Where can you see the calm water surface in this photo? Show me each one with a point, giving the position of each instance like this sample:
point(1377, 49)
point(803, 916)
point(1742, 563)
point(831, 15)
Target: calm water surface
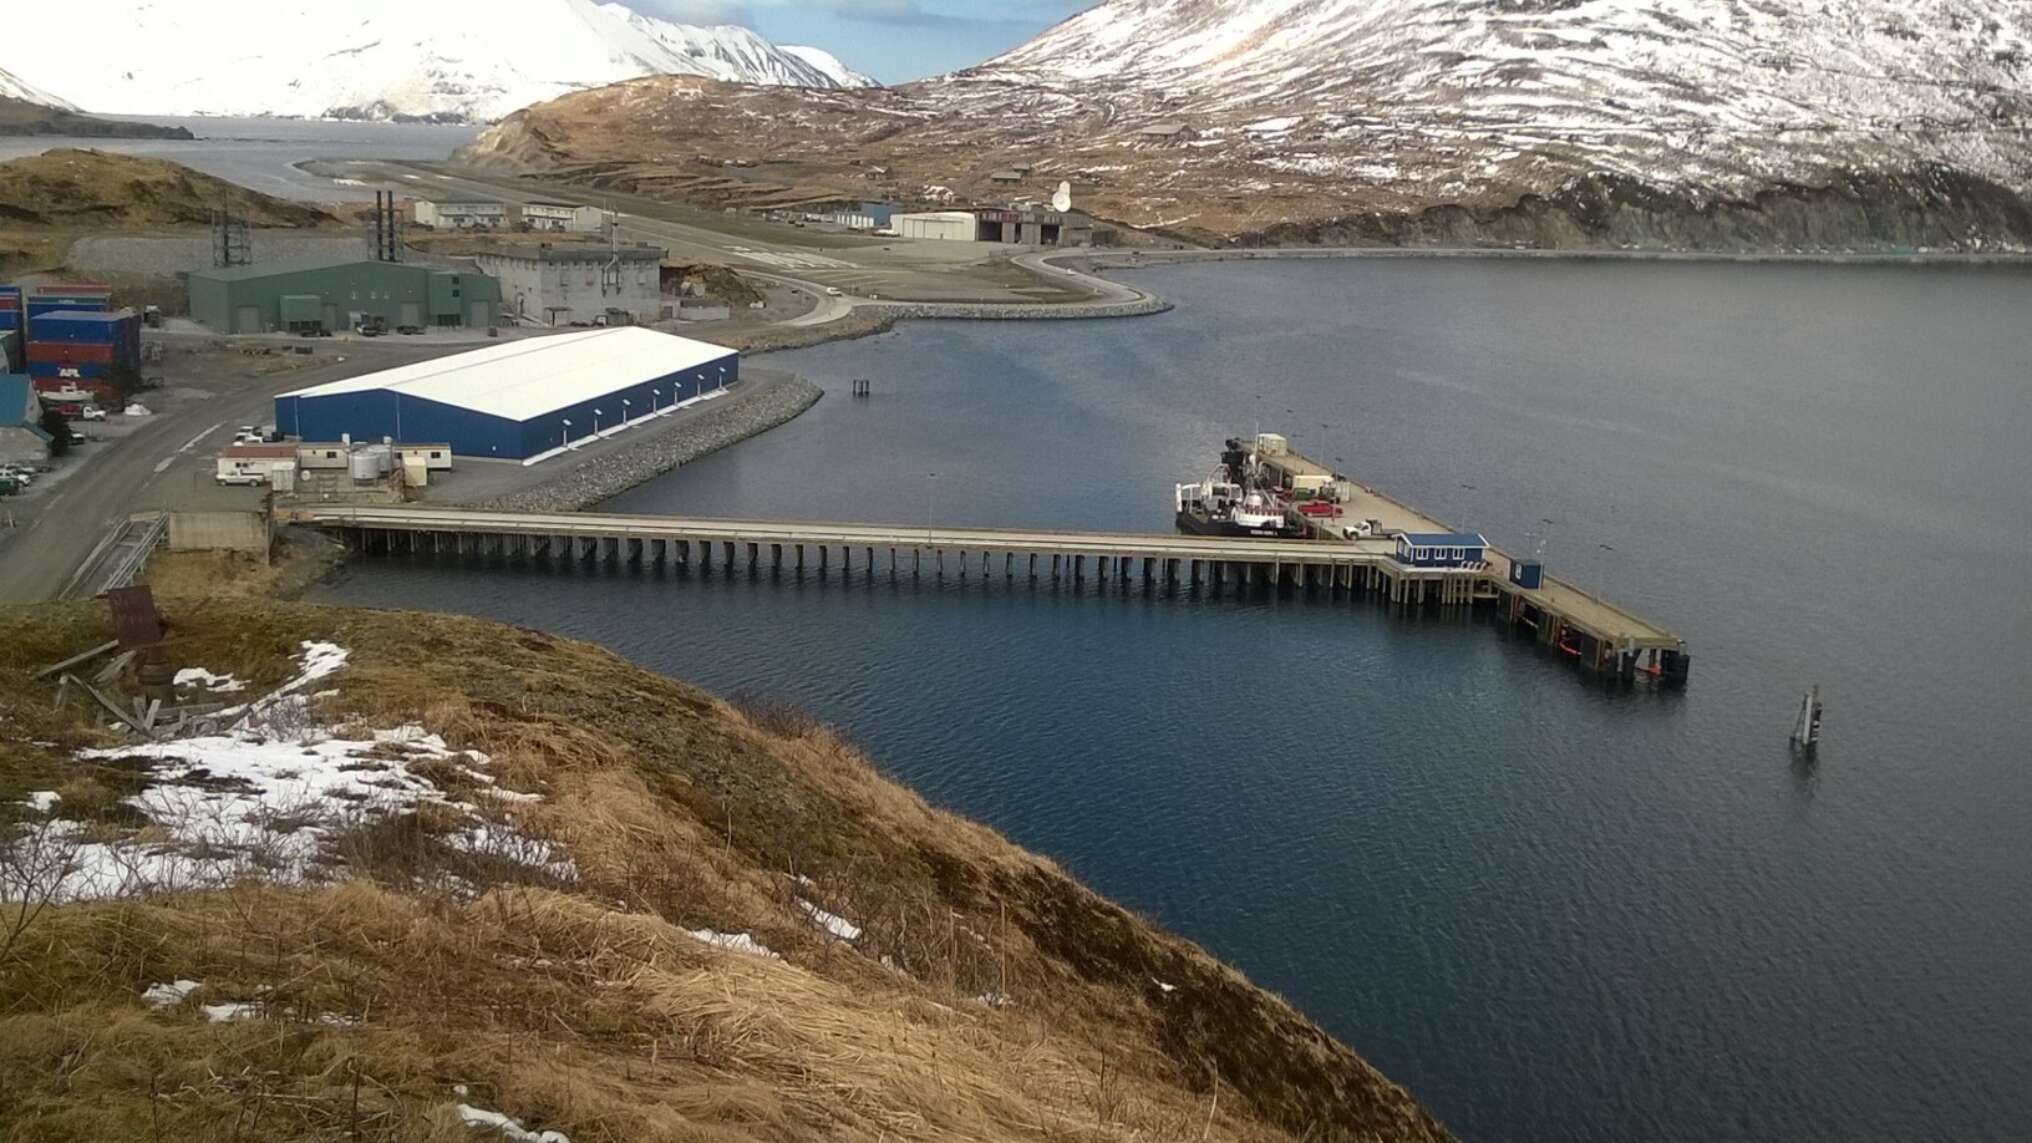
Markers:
point(263, 153)
point(1552, 912)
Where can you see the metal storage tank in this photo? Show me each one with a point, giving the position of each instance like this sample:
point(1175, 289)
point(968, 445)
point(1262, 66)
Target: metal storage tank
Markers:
point(362, 466)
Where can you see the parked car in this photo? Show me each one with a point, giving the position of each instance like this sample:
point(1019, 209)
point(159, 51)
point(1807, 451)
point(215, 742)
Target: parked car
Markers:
point(832, 291)
point(409, 330)
point(92, 413)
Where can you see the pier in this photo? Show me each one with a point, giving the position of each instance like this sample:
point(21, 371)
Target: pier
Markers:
point(1604, 638)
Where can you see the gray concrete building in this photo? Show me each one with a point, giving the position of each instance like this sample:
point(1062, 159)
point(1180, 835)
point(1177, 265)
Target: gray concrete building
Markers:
point(1036, 226)
point(566, 284)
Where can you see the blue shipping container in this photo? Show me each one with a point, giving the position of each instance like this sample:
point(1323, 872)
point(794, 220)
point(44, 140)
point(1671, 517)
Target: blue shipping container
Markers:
point(109, 328)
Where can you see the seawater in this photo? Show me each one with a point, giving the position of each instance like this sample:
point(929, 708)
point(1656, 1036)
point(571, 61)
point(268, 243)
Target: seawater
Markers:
point(263, 153)
point(1552, 911)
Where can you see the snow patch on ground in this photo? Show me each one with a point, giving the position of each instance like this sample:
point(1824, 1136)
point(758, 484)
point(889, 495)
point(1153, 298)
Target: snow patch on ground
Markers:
point(42, 801)
point(506, 1128)
point(232, 1010)
point(264, 800)
point(216, 684)
point(831, 922)
point(169, 994)
point(733, 942)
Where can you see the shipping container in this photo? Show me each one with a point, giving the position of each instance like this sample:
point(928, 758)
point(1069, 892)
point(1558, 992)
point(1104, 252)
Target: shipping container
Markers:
point(1528, 574)
point(75, 353)
point(82, 370)
point(84, 325)
point(73, 288)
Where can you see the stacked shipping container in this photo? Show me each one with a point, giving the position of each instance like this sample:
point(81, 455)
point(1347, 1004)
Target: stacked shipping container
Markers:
point(84, 345)
point(69, 339)
point(11, 321)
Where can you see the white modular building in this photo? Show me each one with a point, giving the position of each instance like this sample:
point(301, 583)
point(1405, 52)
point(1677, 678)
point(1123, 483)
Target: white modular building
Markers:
point(564, 217)
point(946, 225)
point(462, 214)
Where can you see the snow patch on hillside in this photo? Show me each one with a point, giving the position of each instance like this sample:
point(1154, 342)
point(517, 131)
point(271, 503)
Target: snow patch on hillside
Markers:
point(830, 65)
point(13, 87)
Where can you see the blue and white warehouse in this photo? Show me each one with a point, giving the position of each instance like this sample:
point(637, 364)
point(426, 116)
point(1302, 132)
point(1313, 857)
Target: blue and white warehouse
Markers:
point(517, 400)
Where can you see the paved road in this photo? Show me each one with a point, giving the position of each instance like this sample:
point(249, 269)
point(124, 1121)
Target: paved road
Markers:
point(163, 463)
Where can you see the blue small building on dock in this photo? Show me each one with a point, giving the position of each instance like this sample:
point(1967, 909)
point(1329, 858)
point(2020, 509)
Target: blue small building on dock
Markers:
point(1440, 549)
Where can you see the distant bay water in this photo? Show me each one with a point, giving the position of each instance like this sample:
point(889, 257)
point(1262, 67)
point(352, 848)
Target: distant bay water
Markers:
point(263, 154)
point(1551, 911)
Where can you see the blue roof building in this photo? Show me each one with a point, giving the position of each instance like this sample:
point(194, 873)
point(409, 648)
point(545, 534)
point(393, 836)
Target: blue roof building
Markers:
point(1440, 549)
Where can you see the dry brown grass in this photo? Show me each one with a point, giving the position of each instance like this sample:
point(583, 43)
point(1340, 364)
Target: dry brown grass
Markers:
point(587, 1007)
point(298, 558)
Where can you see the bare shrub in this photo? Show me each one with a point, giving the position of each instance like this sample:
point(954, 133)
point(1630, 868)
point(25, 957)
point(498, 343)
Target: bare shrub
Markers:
point(772, 714)
point(36, 863)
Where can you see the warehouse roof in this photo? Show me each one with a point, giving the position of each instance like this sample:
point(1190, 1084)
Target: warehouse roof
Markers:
point(938, 215)
point(299, 266)
point(523, 379)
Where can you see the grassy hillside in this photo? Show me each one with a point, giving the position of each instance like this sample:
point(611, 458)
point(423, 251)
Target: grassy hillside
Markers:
point(69, 187)
point(19, 117)
point(927, 979)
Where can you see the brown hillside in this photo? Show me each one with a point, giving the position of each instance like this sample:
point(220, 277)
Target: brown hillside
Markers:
point(986, 996)
point(74, 188)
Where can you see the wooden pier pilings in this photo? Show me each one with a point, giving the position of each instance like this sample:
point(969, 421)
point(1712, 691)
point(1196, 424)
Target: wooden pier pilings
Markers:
point(1598, 636)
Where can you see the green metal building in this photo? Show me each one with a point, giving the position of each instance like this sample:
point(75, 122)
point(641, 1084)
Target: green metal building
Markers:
point(274, 297)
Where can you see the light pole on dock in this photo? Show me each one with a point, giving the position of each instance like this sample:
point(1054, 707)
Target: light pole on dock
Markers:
point(930, 500)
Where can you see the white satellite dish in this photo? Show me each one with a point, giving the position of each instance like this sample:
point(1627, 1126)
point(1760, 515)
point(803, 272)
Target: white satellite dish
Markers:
point(1061, 199)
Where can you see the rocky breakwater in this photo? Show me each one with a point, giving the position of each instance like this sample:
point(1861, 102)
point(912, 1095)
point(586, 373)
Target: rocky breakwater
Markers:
point(1022, 311)
point(731, 420)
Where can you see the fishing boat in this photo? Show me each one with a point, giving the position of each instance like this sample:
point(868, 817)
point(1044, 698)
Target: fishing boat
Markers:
point(1218, 506)
point(1806, 731)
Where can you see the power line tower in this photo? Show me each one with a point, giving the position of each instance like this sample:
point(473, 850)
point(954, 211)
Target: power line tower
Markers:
point(231, 243)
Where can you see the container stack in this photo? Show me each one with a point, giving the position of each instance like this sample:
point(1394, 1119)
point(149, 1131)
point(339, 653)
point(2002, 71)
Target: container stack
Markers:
point(92, 348)
point(50, 299)
point(12, 321)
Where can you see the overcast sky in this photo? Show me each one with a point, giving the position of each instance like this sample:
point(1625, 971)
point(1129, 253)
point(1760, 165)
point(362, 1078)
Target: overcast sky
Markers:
point(892, 40)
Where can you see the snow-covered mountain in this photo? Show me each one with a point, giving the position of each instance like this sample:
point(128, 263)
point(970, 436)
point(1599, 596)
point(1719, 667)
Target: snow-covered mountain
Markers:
point(1666, 124)
point(13, 88)
point(1720, 94)
point(830, 65)
point(375, 59)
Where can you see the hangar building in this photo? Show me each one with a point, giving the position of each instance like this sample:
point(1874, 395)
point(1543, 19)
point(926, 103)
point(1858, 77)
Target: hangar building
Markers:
point(328, 294)
point(518, 399)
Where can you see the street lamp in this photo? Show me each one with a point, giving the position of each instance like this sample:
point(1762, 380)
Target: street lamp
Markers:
point(930, 499)
point(567, 435)
point(596, 422)
point(723, 377)
point(624, 410)
point(653, 394)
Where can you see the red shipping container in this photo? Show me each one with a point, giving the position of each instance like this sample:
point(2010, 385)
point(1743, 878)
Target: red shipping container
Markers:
point(70, 352)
